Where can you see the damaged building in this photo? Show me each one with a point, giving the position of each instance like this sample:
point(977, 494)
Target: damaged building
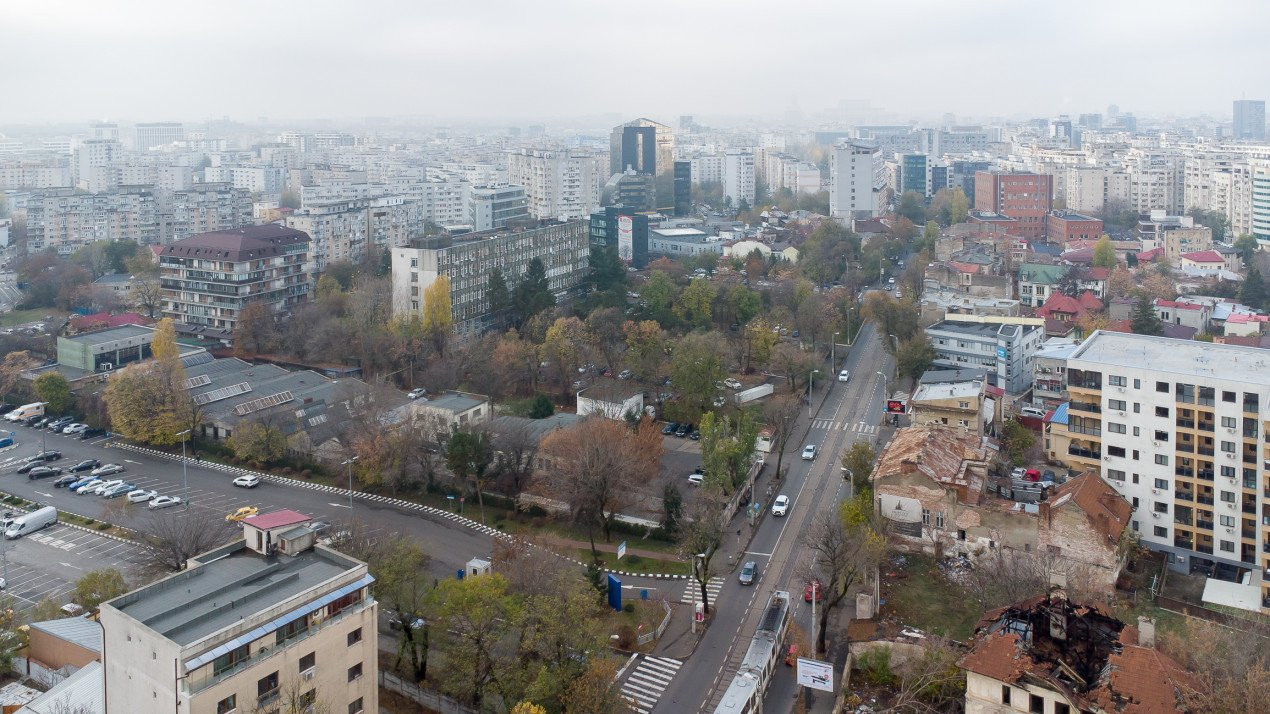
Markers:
point(1050, 655)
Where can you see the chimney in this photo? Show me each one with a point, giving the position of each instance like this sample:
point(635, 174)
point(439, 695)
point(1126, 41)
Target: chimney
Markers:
point(1146, 631)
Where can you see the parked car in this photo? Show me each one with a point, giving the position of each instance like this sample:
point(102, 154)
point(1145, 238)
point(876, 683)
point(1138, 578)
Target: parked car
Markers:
point(734, 384)
point(102, 487)
point(84, 484)
point(749, 573)
point(43, 472)
point(164, 502)
point(244, 512)
point(670, 428)
point(91, 432)
point(75, 428)
point(26, 467)
point(108, 470)
point(814, 587)
point(248, 481)
point(319, 527)
point(82, 481)
point(33, 420)
point(64, 481)
point(624, 374)
point(780, 507)
point(683, 430)
point(85, 465)
point(809, 452)
point(49, 455)
point(31, 522)
point(118, 490)
point(416, 393)
point(695, 435)
point(141, 495)
point(697, 476)
point(57, 424)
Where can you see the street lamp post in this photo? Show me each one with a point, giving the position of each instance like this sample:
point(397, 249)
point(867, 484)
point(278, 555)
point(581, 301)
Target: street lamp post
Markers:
point(349, 463)
point(185, 471)
point(833, 351)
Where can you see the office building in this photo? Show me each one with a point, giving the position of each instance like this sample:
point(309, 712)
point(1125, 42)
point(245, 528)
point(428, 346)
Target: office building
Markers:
point(738, 178)
point(1006, 349)
point(559, 185)
point(209, 278)
point(1065, 226)
point(1175, 234)
point(1025, 197)
point(635, 191)
point(683, 188)
point(154, 134)
point(269, 618)
point(468, 260)
point(642, 145)
point(618, 228)
point(1249, 120)
point(65, 219)
point(494, 207)
point(105, 130)
point(852, 179)
point(1179, 427)
point(677, 242)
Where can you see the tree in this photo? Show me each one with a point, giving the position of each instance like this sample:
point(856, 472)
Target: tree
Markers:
point(599, 467)
point(911, 206)
point(1213, 220)
point(607, 270)
point(1104, 253)
point(702, 536)
point(1157, 286)
point(438, 318)
point(1017, 441)
point(289, 199)
point(1253, 293)
point(53, 389)
point(1120, 282)
point(258, 442)
point(402, 585)
point(516, 450)
point(254, 333)
point(743, 304)
point(858, 462)
point(756, 343)
point(148, 401)
point(695, 303)
point(562, 349)
point(469, 618)
point(596, 691)
point(780, 416)
point(98, 586)
point(11, 369)
point(658, 295)
point(1144, 321)
point(892, 318)
point(841, 553)
point(468, 455)
point(727, 449)
point(176, 536)
point(1247, 246)
point(695, 366)
point(672, 505)
point(1227, 669)
point(541, 407)
point(515, 364)
point(533, 293)
point(915, 356)
point(604, 332)
point(930, 236)
point(645, 347)
point(823, 256)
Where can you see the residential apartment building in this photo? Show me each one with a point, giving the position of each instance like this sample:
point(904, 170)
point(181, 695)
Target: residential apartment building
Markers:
point(1005, 347)
point(209, 278)
point(268, 620)
point(494, 207)
point(1179, 427)
point(852, 179)
point(1089, 189)
point(1175, 234)
point(706, 169)
point(1049, 372)
point(469, 258)
point(338, 231)
point(1066, 226)
point(1249, 120)
point(559, 185)
point(153, 134)
point(738, 177)
point(254, 179)
point(1261, 203)
point(96, 164)
point(1025, 197)
point(202, 208)
point(66, 219)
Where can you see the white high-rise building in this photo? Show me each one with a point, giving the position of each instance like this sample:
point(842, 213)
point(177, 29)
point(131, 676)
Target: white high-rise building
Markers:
point(561, 185)
point(738, 177)
point(852, 179)
point(706, 169)
point(1261, 202)
point(158, 134)
point(96, 164)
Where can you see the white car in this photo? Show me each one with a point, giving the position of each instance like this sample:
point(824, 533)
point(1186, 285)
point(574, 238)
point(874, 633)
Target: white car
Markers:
point(107, 470)
point(248, 481)
point(844, 375)
point(697, 476)
point(809, 452)
point(780, 506)
point(102, 487)
point(416, 393)
point(91, 484)
point(75, 428)
point(164, 502)
point(732, 383)
point(142, 495)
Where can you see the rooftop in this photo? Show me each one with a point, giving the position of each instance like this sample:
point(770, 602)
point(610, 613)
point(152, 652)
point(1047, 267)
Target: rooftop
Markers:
point(1107, 511)
point(113, 279)
point(228, 588)
point(680, 234)
point(946, 455)
point(112, 334)
point(611, 390)
point(947, 390)
point(237, 244)
point(1250, 365)
point(1071, 215)
point(83, 691)
point(455, 402)
point(76, 630)
point(276, 519)
point(537, 428)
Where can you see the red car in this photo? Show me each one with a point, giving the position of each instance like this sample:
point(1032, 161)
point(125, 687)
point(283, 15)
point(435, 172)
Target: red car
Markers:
point(818, 588)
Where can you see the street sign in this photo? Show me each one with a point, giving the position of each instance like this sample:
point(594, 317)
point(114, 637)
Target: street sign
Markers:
point(621, 550)
point(817, 675)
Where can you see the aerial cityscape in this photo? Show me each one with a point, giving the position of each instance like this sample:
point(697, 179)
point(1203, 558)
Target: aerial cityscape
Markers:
point(670, 358)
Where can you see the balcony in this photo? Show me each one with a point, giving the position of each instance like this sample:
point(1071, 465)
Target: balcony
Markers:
point(1186, 423)
point(1083, 453)
point(1185, 448)
point(1204, 474)
point(1205, 451)
point(1206, 500)
point(1207, 426)
point(1084, 407)
point(1184, 495)
point(1185, 543)
point(1206, 525)
point(1249, 508)
point(1249, 533)
point(1087, 430)
point(1182, 520)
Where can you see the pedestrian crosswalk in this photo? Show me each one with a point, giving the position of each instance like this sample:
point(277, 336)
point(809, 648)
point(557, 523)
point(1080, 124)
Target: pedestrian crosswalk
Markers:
point(645, 685)
point(858, 427)
point(692, 591)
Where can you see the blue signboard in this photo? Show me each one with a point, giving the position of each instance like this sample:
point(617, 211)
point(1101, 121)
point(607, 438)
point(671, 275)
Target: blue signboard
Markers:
point(615, 592)
point(1001, 353)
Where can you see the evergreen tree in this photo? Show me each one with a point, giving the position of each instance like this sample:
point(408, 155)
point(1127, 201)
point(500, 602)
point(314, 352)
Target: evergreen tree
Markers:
point(533, 292)
point(1253, 292)
point(500, 299)
point(607, 270)
point(1144, 321)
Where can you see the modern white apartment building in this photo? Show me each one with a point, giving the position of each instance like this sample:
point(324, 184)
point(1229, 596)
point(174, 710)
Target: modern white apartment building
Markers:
point(269, 621)
point(738, 177)
point(853, 179)
point(442, 202)
point(338, 229)
point(96, 164)
point(707, 169)
point(18, 173)
point(256, 179)
point(1231, 196)
point(66, 219)
point(1179, 428)
point(1006, 348)
point(559, 185)
point(1261, 202)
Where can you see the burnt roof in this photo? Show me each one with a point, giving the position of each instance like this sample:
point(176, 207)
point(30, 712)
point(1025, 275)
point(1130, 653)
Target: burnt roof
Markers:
point(237, 244)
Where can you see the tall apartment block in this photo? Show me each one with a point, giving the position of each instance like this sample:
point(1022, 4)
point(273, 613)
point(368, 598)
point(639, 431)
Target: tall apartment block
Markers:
point(1025, 197)
point(202, 208)
point(65, 219)
point(738, 177)
point(209, 278)
point(559, 185)
point(1179, 428)
point(851, 179)
point(469, 258)
point(268, 622)
point(1249, 119)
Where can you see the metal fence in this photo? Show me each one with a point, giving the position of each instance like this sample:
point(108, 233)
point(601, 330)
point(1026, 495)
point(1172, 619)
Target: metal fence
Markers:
point(431, 700)
point(661, 629)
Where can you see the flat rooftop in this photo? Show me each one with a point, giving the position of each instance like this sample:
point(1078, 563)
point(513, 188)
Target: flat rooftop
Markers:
point(680, 234)
point(947, 390)
point(198, 602)
point(112, 334)
point(457, 403)
point(1235, 363)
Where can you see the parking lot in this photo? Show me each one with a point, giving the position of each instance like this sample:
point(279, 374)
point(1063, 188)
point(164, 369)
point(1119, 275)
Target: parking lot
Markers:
point(47, 563)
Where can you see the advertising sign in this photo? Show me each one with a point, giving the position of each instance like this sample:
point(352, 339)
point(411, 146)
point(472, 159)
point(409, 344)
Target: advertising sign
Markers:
point(895, 406)
point(1001, 353)
point(625, 238)
point(621, 550)
point(817, 675)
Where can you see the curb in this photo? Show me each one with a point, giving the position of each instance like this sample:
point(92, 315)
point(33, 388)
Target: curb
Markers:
point(377, 498)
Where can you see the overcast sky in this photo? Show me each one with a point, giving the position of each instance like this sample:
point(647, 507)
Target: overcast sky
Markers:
point(523, 60)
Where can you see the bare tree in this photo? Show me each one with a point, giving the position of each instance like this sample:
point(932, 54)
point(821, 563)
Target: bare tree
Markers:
point(780, 414)
point(295, 696)
point(1229, 667)
point(840, 555)
point(1005, 576)
point(516, 451)
point(177, 535)
point(702, 536)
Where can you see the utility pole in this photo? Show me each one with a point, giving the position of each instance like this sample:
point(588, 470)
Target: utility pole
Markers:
point(349, 463)
point(833, 351)
point(185, 472)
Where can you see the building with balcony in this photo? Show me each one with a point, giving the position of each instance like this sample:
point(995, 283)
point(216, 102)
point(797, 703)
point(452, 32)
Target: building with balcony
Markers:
point(202, 208)
point(1179, 428)
point(270, 619)
point(67, 219)
point(559, 185)
point(209, 278)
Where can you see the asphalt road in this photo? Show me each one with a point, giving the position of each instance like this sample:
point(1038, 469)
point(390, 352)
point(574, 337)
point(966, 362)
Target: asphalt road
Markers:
point(450, 544)
point(850, 413)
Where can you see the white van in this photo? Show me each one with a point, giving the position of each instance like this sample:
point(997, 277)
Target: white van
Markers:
point(32, 522)
point(26, 411)
point(1037, 412)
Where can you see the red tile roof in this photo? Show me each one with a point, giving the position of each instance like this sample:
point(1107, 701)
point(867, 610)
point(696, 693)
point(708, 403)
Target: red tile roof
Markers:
point(1107, 511)
point(276, 519)
point(1204, 256)
point(1096, 274)
point(1149, 255)
point(1090, 301)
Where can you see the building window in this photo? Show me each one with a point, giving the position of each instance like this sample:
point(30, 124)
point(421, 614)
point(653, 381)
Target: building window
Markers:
point(1116, 380)
point(1228, 496)
point(1228, 397)
point(1227, 521)
point(925, 516)
point(229, 660)
point(939, 519)
point(1162, 387)
point(1005, 694)
point(227, 705)
point(307, 699)
point(1161, 435)
point(1117, 404)
point(1162, 412)
point(1036, 704)
point(1115, 451)
point(354, 637)
point(1228, 546)
point(355, 706)
point(1115, 428)
point(1228, 471)
point(1162, 459)
point(1228, 447)
point(1115, 474)
point(267, 687)
point(355, 672)
point(1061, 708)
point(1161, 507)
point(1137, 384)
point(292, 629)
point(1161, 483)
point(308, 661)
point(1228, 422)
point(1161, 532)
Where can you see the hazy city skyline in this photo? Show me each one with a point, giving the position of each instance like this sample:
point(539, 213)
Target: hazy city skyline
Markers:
point(511, 61)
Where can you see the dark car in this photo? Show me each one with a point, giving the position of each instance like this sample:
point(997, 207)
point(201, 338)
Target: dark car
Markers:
point(683, 430)
point(90, 433)
point(49, 455)
point(85, 465)
point(57, 424)
point(43, 472)
point(670, 428)
point(40, 421)
point(6, 407)
point(24, 468)
point(64, 481)
point(695, 435)
point(749, 573)
point(33, 420)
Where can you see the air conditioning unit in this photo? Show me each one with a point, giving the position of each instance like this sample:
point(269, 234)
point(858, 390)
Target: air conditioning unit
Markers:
point(1120, 389)
point(307, 674)
point(1154, 514)
point(1230, 530)
point(1155, 443)
point(1230, 430)
point(106, 366)
point(1156, 491)
point(1229, 455)
point(1121, 413)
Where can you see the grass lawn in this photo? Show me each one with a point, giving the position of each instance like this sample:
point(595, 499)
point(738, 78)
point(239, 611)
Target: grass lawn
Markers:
point(634, 563)
point(922, 598)
point(19, 317)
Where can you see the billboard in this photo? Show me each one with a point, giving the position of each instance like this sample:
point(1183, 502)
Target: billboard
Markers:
point(817, 675)
point(895, 406)
point(626, 238)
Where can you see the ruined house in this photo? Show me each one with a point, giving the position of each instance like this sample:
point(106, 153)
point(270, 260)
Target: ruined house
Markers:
point(1053, 656)
point(1082, 522)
